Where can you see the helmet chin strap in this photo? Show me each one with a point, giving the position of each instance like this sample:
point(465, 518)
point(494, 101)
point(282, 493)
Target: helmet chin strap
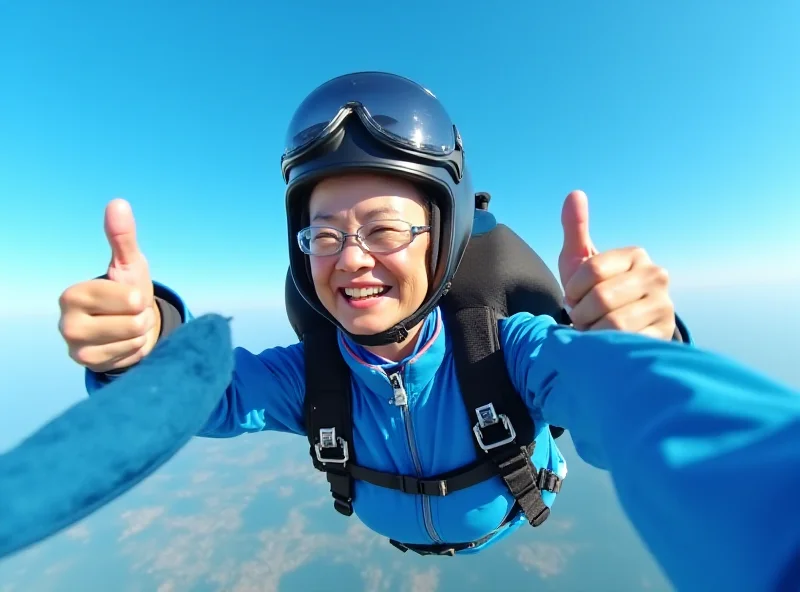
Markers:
point(397, 334)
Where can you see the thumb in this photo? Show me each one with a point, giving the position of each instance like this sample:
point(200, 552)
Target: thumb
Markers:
point(120, 230)
point(128, 265)
point(578, 246)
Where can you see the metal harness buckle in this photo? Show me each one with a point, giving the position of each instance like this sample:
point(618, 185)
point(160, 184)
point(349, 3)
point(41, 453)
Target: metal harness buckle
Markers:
point(328, 440)
point(487, 416)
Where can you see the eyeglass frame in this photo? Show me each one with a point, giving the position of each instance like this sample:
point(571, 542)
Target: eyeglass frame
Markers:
point(415, 231)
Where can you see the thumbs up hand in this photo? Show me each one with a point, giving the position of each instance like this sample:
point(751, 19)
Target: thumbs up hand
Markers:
point(618, 289)
point(109, 324)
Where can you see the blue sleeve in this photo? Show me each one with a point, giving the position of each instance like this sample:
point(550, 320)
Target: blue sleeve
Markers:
point(704, 453)
point(266, 393)
point(266, 390)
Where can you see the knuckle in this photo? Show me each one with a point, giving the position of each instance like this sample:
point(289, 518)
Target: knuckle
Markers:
point(594, 269)
point(136, 357)
point(640, 254)
point(138, 325)
point(616, 321)
point(70, 328)
point(661, 275)
point(68, 298)
point(667, 311)
point(82, 355)
point(135, 300)
point(604, 298)
point(637, 257)
point(132, 355)
point(137, 343)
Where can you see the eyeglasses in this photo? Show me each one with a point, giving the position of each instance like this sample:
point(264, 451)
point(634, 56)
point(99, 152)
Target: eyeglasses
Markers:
point(378, 236)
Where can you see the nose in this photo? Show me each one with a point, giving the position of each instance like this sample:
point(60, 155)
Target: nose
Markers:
point(353, 256)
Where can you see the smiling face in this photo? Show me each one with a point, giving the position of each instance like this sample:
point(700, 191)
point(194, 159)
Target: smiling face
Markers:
point(369, 292)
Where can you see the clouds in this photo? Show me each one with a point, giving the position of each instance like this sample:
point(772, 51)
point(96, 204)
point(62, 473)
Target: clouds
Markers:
point(189, 550)
point(224, 545)
point(425, 581)
point(547, 559)
point(138, 520)
point(79, 532)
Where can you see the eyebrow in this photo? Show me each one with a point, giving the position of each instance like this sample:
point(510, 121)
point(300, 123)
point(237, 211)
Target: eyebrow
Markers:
point(383, 211)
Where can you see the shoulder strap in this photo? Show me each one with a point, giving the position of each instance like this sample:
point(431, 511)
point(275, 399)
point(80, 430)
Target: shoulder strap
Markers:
point(329, 425)
point(503, 428)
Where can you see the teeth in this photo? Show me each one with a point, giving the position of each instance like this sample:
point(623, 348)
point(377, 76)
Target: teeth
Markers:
point(364, 292)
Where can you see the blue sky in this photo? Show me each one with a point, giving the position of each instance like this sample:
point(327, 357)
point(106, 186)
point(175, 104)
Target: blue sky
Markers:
point(679, 120)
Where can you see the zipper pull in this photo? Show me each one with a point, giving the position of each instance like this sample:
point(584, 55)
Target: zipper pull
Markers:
point(400, 395)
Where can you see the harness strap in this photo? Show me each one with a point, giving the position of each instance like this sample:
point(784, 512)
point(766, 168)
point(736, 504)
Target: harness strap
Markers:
point(488, 392)
point(442, 549)
point(452, 549)
point(443, 485)
point(329, 425)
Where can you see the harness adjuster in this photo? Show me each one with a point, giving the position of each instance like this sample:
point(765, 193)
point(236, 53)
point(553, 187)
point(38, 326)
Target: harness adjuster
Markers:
point(328, 441)
point(414, 485)
point(342, 505)
point(547, 480)
point(488, 418)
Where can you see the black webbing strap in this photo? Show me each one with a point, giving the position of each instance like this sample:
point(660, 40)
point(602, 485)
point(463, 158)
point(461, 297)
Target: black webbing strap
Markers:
point(442, 548)
point(442, 485)
point(439, 485)
point(328, 420)
point(503, 428)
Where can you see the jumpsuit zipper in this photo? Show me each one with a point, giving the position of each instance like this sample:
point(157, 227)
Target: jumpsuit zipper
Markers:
point(401, 400)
